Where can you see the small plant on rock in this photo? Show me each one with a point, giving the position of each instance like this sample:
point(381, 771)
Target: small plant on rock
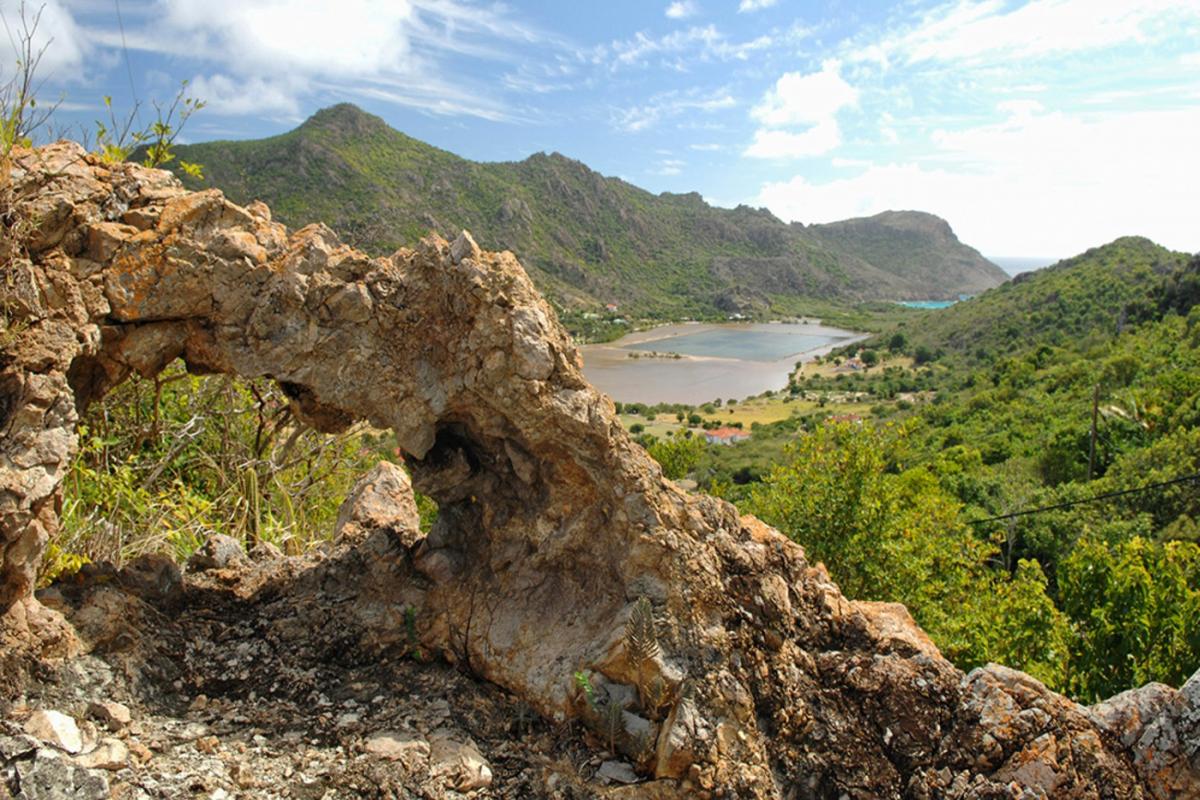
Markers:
point(641, 643)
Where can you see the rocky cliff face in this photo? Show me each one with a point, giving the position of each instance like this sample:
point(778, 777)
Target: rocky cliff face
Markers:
point(563, 566)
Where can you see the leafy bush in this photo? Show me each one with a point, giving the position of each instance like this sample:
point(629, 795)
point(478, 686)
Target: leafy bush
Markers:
point(677, 454)
point(164, 463)
point(1134, 606)
point(897, 535)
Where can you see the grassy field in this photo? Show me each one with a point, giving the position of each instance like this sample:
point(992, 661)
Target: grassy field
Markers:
point(760, 410)
point(831, 370)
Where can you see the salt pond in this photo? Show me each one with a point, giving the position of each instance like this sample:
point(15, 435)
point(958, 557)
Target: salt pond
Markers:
point(733, 360)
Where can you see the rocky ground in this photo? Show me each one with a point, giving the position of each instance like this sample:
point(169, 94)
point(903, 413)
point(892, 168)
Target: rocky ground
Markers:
point(202, 698)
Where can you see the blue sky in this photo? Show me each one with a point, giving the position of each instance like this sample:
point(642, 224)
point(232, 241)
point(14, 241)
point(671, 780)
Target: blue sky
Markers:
point(1039, 128)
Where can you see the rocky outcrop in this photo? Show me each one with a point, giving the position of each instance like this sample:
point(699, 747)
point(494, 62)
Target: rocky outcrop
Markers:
point(563, 566)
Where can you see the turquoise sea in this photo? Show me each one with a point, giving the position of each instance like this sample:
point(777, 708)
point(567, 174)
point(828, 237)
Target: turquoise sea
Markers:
point(928, 303)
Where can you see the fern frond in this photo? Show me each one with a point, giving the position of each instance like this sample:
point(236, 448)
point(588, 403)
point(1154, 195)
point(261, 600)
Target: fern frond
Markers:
point(641, 638)
point(614, 723)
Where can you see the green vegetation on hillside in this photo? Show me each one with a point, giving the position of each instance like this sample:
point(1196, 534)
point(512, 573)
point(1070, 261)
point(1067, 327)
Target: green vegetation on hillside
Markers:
point(163, 464)
point(587, 240)
point(1093, 598)
point(916, 245)
point(1080, 301)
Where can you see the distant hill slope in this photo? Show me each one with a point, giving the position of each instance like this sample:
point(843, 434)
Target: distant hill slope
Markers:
point(1094, 294)
point(917, 246)
point(586, 239)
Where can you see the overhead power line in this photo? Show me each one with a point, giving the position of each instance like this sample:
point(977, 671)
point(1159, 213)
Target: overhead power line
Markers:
point(1105, 496)
point(128, 65)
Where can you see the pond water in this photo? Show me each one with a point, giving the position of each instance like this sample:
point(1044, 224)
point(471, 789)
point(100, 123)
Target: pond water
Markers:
point(734, 360)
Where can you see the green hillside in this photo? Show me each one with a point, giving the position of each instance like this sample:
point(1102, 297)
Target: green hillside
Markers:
point(1070, 398)
point(587, 240)
point(1092, 296)
point(917, 246)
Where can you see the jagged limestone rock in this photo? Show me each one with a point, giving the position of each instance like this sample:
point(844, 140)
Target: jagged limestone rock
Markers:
point(553, 526)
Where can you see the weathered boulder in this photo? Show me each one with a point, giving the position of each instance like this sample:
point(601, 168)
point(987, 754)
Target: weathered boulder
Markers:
point(1161, 726)
point(114, 716)
point(109, 753)
point(382, 498)
point(562, 566)
point(458, 764)
point(219, 551)
point(55, 728)
point(410, 748)
point(49, 775)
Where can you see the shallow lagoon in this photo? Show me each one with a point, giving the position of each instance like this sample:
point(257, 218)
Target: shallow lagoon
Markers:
point(734, 360)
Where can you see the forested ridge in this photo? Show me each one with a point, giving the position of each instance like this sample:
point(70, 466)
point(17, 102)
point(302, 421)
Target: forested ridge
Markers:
point(587, 240)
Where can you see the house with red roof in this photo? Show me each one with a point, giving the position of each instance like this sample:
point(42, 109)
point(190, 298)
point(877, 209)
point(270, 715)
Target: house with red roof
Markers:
point(725, 435)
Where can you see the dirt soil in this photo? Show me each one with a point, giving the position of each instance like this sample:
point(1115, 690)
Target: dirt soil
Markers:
point(223, 707)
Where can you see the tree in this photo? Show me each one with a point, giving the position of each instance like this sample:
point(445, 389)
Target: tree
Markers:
point(897, 343)
point(678, 455)
point(1134, 606)
point(887, 535)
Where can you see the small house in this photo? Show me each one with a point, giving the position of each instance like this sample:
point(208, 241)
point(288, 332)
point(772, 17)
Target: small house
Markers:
point(725, 435)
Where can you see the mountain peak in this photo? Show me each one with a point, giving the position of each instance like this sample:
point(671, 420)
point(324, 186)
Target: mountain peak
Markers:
point(587, 240)
point(344, 118)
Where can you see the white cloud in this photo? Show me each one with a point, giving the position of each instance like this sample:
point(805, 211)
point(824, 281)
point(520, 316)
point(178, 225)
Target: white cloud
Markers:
point(681, 9)
point(54, 33)
point(819, 139)
point(234, 97)
point(399, 51)
point(887, 128)
point(1055, 183)
point(797, 100)
point(671, 104)
point(669, 166)
point(705, 147)
point(754, 5)
point(800, 99)
point(1022, 109)
point(637, 50)
point(357, 39)
point(979, 31)
point(679, 48)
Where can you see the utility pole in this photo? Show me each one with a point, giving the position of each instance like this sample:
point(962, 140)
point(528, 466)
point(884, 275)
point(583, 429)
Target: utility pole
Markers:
point(1092, 445)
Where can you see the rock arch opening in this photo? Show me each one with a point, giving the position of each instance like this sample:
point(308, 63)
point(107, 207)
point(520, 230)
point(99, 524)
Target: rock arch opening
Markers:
point(557, 529)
